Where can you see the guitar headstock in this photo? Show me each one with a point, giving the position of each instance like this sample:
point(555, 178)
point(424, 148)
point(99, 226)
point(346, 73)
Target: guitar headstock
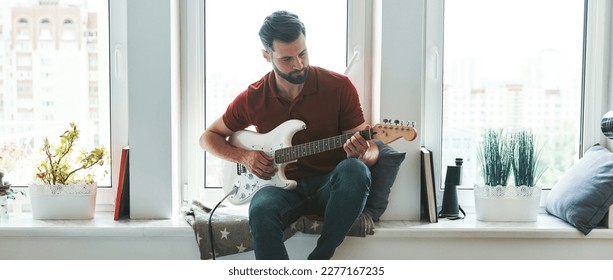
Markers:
point(389, 131)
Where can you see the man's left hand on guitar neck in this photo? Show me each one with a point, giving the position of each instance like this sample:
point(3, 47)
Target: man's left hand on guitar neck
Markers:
point(358, 147)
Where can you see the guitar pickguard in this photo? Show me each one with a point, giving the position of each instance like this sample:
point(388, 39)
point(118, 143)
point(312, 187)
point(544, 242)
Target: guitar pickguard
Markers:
point(248, 184)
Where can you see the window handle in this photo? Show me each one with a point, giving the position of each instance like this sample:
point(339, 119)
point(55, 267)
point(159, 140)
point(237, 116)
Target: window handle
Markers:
point(435, 63)
point(117, 60)
point(355, 57)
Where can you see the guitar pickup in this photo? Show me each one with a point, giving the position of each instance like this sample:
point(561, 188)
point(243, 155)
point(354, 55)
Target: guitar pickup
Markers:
point(240, 169)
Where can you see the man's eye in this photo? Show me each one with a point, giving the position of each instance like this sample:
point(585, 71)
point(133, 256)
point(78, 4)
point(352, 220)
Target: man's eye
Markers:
point(287, 59)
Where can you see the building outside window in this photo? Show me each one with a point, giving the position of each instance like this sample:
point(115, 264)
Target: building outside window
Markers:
point(46, 82)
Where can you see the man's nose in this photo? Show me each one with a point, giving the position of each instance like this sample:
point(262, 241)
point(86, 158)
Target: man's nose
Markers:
point(299, 63)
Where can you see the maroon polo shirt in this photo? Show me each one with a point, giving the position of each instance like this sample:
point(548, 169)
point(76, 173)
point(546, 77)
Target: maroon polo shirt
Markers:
point(328, 104)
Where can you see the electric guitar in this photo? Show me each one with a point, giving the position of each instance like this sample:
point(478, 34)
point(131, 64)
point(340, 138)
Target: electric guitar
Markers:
point(277, 143)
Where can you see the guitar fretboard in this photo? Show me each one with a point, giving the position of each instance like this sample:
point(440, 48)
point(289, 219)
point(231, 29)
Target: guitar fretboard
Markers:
point(302, 150)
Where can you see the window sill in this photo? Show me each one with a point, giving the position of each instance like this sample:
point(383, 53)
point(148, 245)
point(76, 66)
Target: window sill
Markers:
point(546, 226)
point(101, 238)
point(101, 225)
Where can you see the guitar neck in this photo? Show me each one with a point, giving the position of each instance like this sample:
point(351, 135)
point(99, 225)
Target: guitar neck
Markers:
point(302, 150)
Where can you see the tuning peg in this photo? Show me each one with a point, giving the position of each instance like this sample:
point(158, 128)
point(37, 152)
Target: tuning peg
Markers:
point(413, 124)
point(386, 121)
point(396, 121)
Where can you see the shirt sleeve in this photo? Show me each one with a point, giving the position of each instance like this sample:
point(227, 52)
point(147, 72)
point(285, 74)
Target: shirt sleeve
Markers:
point(351, 110)
point(236, 117)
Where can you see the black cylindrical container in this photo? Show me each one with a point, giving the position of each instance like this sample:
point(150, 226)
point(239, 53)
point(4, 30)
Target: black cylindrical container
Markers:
point(453, 178)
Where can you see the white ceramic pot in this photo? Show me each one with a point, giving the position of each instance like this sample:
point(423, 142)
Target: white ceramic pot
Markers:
point(77, 201)
point(507, 203)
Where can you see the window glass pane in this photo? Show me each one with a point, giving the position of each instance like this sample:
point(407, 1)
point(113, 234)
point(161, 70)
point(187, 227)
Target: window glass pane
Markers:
point(233, 50)
point(51, 75)
point(512, 64)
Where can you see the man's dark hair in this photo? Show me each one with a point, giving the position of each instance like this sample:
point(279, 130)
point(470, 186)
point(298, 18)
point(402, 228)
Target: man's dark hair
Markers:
point(281, 25)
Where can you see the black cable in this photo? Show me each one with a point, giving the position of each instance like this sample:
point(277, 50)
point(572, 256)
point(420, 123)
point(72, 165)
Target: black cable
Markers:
point(233, 191)
point(453, 217)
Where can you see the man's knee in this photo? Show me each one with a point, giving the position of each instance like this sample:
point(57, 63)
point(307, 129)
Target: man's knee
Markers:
point(351, 164)
point(354, 168)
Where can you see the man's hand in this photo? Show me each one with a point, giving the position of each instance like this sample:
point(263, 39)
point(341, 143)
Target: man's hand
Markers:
point(259, 163)
point(356, 146)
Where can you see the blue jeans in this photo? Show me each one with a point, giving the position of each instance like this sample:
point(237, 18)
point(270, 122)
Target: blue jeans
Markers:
point(338, 197)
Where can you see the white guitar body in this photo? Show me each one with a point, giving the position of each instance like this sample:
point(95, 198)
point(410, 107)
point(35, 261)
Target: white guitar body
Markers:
point(247, 183)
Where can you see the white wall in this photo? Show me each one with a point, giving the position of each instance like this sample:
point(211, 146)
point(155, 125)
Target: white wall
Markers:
point(397, 89)
point(151, 92)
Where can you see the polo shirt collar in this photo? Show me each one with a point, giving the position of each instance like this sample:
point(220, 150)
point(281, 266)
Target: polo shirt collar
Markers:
point(310, 85)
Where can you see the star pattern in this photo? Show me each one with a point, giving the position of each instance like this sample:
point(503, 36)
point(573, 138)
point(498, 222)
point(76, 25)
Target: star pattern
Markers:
point(241, 248)
point(314, 225)
point(198, 238)
point(224, 233)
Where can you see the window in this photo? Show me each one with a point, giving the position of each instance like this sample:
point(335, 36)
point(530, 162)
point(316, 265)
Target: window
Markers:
point(46, 30)
point(22, 29)
point(233, 50)
point(51, 87)
point(512, 64)
point(68, 32)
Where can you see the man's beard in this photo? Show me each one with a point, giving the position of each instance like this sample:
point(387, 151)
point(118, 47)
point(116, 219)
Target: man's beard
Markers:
point(296, 77)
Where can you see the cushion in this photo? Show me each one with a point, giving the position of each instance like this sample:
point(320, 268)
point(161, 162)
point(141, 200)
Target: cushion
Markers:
point(383, 175)
point(584, 193)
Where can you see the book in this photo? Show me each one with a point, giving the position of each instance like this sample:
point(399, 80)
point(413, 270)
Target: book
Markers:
point(428, 188)
point(122, 199)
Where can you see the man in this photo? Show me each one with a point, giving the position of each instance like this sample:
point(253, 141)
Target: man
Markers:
point(333, 184)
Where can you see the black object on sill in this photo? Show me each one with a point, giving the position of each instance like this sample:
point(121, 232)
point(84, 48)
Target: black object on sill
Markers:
point(450, 208)
point(606, 125)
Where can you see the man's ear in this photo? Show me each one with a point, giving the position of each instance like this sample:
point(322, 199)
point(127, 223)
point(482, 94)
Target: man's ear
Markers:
point(266, 55)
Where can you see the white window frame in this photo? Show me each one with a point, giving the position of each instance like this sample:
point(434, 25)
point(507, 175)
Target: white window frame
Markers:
point(105, 198)
point(597, 62)
point(192, 89)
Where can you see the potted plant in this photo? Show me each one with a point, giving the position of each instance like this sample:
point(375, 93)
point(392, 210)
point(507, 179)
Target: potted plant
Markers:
point(526, 169)
point(6, 193)
point(65, 185)
point(502, 154)
point(495, 157)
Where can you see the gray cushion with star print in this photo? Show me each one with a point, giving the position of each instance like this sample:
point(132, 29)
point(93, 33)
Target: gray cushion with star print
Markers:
point(231, 233)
